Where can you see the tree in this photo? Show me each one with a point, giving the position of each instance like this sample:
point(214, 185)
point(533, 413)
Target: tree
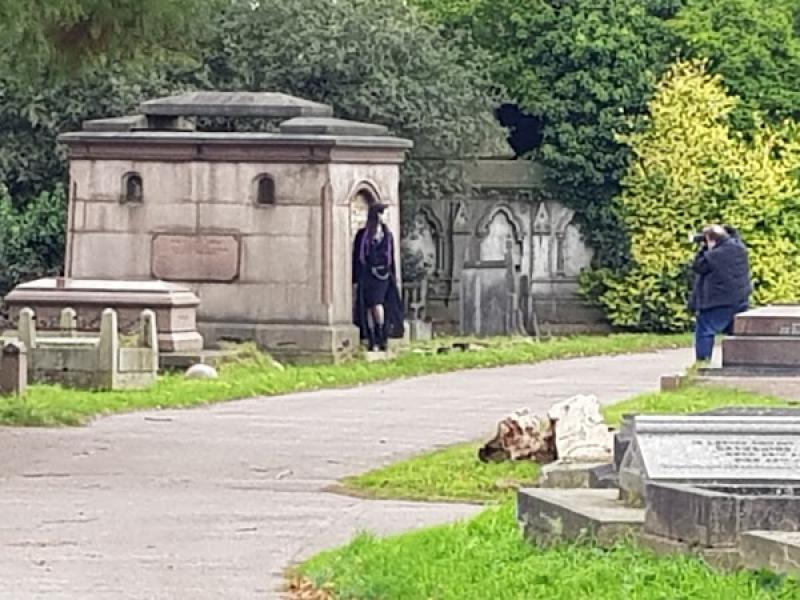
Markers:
point(754, 45)
point(372, 60)
point(578, 69)
point(37, 34)
point(691, 168)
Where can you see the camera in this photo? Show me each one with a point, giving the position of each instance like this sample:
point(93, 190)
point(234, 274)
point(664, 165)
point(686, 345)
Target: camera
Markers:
point(697, 238)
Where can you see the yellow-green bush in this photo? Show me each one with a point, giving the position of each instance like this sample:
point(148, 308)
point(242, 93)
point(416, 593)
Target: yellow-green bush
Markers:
point(690, 168)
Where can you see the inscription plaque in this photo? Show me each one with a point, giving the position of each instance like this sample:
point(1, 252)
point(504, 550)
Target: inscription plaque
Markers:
point(202, 258)
point(711, 449)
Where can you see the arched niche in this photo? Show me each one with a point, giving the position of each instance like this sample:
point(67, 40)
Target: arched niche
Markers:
point(498, 228)
point(364, 195)
point(428, 240)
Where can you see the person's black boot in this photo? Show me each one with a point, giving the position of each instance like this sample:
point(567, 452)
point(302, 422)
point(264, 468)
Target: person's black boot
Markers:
point(383, 337)
point(372, 340)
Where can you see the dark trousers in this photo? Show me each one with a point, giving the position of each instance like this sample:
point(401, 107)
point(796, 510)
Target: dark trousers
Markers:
point(711, 322)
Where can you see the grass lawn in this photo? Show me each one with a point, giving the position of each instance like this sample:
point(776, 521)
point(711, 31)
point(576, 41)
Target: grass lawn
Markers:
point(456, 474)
point(451, 474)
point(255, 376)
point(486, 558)
point(687, 400)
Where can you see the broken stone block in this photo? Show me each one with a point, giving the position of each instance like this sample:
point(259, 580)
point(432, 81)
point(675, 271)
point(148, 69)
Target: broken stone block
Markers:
point(520, 436)
point(580, 433)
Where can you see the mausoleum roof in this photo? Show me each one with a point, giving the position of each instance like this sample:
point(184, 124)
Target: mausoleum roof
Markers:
point(268, 105)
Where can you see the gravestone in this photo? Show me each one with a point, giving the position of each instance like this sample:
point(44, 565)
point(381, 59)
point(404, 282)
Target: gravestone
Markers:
point(710, 450)
point(764, 338)
point(13, 369)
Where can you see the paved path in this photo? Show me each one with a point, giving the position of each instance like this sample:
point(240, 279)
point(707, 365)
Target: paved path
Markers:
point(216, 502)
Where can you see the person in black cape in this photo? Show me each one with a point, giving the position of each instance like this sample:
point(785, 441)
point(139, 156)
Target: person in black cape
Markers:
point(378, 309)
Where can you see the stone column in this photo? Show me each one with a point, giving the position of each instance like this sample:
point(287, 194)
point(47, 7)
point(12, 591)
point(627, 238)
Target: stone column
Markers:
point(108, 351)
point(13, 369)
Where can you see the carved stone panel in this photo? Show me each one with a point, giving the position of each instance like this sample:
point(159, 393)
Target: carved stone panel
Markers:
point(203, 258)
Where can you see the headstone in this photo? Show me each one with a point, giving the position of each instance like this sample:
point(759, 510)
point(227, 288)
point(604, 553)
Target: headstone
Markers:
point(581, 435)
point(201, 371)
point(710, 450)
point(13, 369)
point(622, 439)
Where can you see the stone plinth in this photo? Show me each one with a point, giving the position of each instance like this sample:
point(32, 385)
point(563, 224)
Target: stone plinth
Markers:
point(550, 514)
point(715, 516)
point(777, 551)
point(761, 352)
point(175, 307)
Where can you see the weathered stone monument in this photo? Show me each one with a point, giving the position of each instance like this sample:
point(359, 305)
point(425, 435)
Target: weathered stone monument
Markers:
point(101, 362)
point(174, 306)
point(258, 225)
point(466, 242)
point(724, 486)
point(718, 450)
point(13, 368)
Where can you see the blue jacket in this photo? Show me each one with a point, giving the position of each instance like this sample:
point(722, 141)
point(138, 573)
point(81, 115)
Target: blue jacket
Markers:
point(722, 276)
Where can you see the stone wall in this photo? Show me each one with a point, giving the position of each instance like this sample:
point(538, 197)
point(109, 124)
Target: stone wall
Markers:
point(505, 211)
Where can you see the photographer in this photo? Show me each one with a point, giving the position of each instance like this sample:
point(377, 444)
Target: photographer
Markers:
point(722, 286)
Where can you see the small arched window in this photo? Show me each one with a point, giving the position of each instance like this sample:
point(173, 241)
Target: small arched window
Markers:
point(132, 189)
point(265, 190)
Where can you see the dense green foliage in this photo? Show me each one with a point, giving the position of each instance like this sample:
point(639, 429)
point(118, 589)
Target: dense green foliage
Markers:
point(754, 45)
point(31, 237)
point(59, 35)
point(581, 68)
point(691, 168)
point(486, 558)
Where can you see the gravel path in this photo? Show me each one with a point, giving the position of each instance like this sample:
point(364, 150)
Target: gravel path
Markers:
point(216, 502)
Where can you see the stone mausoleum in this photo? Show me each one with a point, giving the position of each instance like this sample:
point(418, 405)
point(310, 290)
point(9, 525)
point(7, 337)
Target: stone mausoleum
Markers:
point(258, 225)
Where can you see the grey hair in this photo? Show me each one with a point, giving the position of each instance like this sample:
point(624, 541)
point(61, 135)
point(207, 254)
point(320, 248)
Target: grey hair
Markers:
point(716, 232)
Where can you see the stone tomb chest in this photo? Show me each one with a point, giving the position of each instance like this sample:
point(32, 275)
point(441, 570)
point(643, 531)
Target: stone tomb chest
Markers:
point(711, 450)
point(257, 225)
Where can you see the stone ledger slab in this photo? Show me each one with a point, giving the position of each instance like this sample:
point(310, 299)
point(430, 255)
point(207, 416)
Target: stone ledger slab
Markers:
point(196, 258)
point(710, 450)
point(175, 307)
point(552, 514)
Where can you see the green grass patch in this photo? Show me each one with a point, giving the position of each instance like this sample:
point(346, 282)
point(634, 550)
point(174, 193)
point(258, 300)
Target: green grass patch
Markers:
point(486, 558)
point(455, 474)
point(690, 399)
point(451, 474)
point(46, 405)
